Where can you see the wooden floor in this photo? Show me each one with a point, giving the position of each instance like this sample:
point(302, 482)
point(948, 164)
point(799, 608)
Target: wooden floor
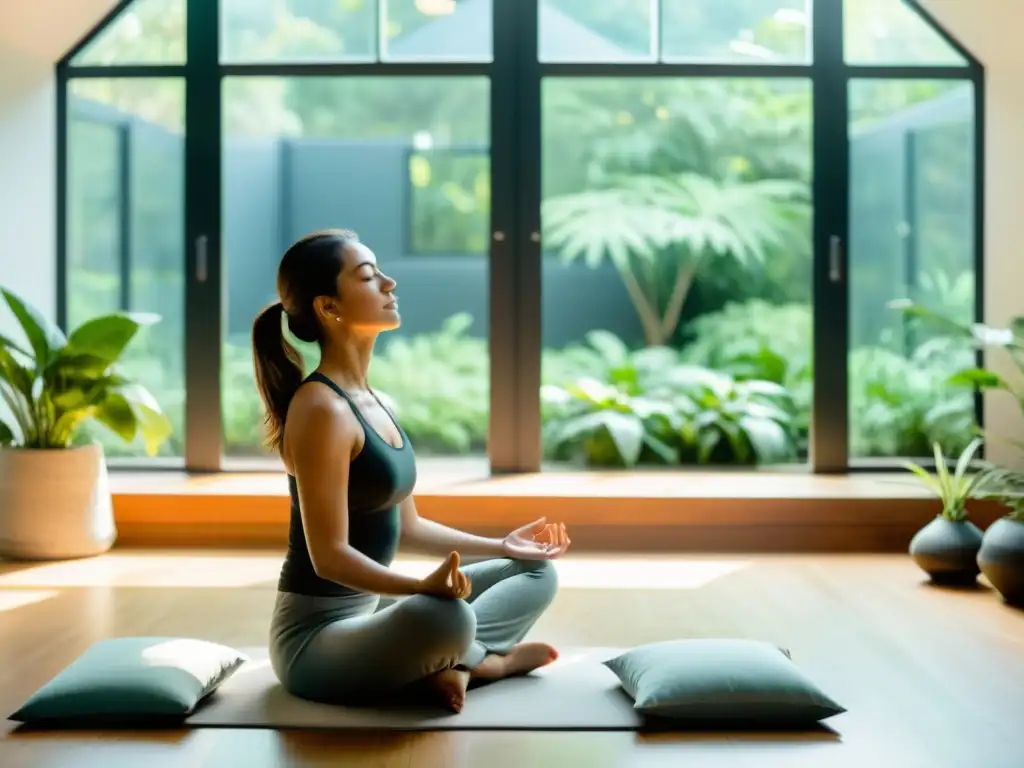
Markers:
point(931, 678)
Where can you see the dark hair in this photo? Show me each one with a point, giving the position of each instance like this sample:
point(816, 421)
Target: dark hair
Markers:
point(308, 269)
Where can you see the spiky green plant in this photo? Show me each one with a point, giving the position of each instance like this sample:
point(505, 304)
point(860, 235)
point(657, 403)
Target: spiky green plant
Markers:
point(1006, 486)
point(954, 489)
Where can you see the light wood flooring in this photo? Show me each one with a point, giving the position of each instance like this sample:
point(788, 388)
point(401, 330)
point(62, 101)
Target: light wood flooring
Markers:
point(932, 678)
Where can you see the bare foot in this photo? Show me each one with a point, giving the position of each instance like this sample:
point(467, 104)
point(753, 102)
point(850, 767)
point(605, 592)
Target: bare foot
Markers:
point(451, 684)
point(521, 660)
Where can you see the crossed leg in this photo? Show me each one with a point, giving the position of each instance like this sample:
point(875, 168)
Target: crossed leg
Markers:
point(508, 597)
point(423, 638)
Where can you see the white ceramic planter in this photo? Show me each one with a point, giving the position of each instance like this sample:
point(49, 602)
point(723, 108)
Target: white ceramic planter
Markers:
point(55, 504)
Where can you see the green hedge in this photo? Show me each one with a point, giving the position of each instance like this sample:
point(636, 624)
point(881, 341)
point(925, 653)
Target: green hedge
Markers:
point(738, 392)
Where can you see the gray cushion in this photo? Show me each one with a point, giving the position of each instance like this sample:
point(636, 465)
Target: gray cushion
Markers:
point(141, 678)
point(713, 680)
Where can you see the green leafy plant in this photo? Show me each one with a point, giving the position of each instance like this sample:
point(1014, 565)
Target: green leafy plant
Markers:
point(758, 341)
point(903, 405)
point(954, 489)
point(719, 419)
point(649, 407)
point(602, 425)
point(59, 383)
point(1009, 340)
point(1006, 486)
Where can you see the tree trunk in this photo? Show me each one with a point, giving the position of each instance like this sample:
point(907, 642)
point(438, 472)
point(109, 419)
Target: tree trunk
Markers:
point(676, 301)
point(648, 314)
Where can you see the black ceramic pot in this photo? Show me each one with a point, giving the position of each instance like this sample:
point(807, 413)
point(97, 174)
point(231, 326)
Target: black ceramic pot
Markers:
point(948, 551)
point(1001, 558)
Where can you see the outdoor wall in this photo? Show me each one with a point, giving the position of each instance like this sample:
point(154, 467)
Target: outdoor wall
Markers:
point(314, 184)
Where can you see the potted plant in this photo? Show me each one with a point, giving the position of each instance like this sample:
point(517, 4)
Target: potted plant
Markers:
point(55, 502)
point(947, 548)
point(1001, 557)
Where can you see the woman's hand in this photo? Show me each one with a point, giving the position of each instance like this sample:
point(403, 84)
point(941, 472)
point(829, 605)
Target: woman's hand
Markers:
point(447, 580)
point(539, 540)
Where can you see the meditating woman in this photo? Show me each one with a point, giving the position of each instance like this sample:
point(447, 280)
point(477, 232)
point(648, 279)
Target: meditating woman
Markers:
point(346, 627)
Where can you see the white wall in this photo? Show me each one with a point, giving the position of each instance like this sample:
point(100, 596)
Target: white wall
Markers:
point(34, 34)
point(991, 29)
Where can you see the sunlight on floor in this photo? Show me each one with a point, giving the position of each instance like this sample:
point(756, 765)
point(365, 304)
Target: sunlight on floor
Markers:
point(644, 573)
point(591, 572)
point(13, 599)
point(151, 570)
point(241, 570)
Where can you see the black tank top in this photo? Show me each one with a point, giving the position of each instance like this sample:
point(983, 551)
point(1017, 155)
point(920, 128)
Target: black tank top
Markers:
point(380, 477)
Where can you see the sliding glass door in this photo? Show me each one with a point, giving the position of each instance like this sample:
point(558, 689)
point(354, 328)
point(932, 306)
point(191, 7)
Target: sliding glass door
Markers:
point(626, 234)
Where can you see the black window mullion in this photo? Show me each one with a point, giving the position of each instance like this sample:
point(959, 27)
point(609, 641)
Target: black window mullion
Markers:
point(829, 434)
point(503, 271)
point(203, 311)
point(528, 242)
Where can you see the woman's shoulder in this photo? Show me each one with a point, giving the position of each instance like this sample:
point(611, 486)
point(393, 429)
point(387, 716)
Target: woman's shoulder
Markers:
point(316, 409)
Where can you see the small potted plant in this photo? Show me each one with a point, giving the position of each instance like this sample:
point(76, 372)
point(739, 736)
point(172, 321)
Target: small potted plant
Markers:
point(55, 502)
point(1001, 557)
point(947, 548)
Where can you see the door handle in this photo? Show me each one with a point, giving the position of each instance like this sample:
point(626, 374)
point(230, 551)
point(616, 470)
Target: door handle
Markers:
point(835, 259)
point(202, 267)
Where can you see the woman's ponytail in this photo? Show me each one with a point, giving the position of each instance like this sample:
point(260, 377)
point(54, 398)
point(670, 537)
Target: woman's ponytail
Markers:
point(278, 368)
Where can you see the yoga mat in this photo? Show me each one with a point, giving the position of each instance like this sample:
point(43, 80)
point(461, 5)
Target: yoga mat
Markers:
point(575, 693)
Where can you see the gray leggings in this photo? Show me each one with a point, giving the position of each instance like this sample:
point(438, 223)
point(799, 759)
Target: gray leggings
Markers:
point(359, 648)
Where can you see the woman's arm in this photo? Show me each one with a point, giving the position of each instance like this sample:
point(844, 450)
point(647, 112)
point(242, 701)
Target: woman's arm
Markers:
point(435, 538)
point(321, 436)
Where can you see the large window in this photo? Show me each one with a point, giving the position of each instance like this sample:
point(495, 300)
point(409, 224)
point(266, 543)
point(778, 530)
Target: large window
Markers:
point(308, 153)
point(124, 209)
point(912, 235)
point(627, 232)
point(677, 272)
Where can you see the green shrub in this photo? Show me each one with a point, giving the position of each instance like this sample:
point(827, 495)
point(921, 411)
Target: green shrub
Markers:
point(240, 400)
point(902, 406)
point(437, 383)
point(899, 405)
point(740, 391)
point(758, 341)
point(651, 407)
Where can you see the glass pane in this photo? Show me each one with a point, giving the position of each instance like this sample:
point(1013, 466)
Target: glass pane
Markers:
point(145, 32)
point(298, 30)
point(94, 178)
point(437, 30)
point(450, 201)
point(738, 31)
point(891, 32)
point(588, 31)
point(373, 154)
point(125, 230)
point(677, 270)
point(912, 208)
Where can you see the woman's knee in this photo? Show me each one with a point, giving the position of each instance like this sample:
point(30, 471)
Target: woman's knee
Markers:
point(444, 625)
point(546, 574)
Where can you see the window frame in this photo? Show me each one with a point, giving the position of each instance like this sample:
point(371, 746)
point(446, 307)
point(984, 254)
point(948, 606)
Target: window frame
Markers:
point(515, 257)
